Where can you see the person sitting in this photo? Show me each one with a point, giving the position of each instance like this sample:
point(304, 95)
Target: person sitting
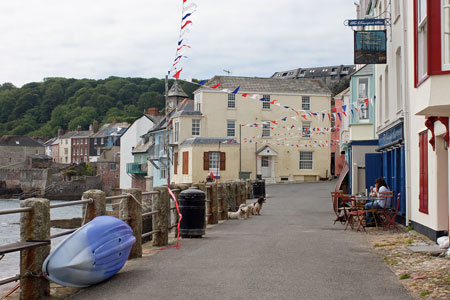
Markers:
point(380, 187)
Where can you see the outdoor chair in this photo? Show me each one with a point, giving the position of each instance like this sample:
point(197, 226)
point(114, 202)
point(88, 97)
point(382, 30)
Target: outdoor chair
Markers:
point(338, 207)
point(353, 212)
point(389, 213)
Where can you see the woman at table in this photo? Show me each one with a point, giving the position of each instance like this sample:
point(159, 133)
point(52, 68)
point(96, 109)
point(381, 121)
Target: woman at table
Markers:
point(380, 187)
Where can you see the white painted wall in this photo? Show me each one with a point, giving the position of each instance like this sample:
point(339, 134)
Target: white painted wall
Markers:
point(127, 141)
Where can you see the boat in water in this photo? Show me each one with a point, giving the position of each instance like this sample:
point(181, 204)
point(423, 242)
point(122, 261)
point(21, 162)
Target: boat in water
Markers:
point(92, 254)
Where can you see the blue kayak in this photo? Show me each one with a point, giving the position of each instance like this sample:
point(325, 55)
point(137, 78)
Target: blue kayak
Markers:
point(93, 253)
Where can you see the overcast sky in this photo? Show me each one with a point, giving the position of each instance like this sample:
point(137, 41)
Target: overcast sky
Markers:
point(138, 38)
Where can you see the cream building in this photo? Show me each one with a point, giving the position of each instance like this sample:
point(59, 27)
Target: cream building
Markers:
point(279, 130)
point(65, 146)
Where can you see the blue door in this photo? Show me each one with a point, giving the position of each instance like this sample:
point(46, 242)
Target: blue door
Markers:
point(374, 168)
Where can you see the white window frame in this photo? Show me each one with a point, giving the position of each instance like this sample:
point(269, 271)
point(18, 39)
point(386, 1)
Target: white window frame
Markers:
point(196, 127)
point(163, 172)
point(305, 161)
point(198, 102)
point(306, 103)
point(265, 162)
point(176, 132)
point(266, 102)
point(231, 129)
point(306, 133)
point(422, 41)
point(266, 130)
point(231, 103)
point(445, 35)
point(363, 110)
point(214, 163)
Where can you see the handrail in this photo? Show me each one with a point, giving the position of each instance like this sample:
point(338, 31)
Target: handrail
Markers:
point(117, 197)
point(71, 203)
point(16, 210)
point(9, 279)
point(151, 213)
point(63, 233)
point(150, 233)
point(151, 193)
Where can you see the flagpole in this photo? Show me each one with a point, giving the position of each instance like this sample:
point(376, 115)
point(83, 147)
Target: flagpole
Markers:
point(218, 165)
point(166, 142)
point(240, 149)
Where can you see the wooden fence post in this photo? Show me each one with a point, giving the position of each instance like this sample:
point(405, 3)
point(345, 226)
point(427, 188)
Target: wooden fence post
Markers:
point(96, 208)
point(214, 204)
point(224, 202)
point(161, 203)
point(34, 226)
point(131, 212)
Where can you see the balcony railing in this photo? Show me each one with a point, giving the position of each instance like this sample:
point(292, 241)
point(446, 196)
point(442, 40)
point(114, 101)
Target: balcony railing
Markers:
point(136, 168)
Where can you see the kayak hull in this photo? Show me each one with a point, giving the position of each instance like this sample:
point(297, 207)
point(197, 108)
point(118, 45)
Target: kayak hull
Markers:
point(92, 254)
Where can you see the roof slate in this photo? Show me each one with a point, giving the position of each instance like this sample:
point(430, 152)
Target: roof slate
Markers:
point(270, 85)
point(208, 141)
point(19, 141)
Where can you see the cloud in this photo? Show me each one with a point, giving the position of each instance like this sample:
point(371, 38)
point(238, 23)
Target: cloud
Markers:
point(96, 39)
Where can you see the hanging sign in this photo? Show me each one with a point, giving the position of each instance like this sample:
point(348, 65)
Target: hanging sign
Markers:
point(370, 47)
point(366, 22)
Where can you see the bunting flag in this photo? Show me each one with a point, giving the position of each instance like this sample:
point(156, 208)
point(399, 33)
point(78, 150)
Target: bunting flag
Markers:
point(177, 74)
point(273, 101)
point(284, 119)
point(339, 115)
point(344, 113)
point(216, 86)
point(329, 117)
point(304, 117)
point(187, 15)
point(186, 24)
point(366, 101)
point(344, 107)
point(236, 90)
point(323, 116)
point(244, 95)
point(334, 109)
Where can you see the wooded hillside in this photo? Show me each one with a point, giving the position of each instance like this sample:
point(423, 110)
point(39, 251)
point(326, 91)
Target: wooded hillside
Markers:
point(40, 108)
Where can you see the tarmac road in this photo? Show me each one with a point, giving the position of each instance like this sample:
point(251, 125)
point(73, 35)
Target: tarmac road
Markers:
point(291, 251)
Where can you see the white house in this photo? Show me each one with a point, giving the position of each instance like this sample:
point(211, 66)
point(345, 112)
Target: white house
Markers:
point(128, 141)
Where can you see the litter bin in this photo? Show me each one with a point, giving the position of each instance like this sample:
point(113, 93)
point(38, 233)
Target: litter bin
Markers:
point(259, 189)
point(192, 208)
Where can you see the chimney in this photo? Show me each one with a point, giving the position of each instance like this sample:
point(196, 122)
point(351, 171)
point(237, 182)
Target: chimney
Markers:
point(95, 126)
point(79, 128)
point(60, 132)
point(152, 111)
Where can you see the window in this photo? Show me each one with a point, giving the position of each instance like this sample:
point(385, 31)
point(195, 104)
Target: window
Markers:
point(306, 103)
point(422, 43)
point(163, 172)
point(398, 73)
point(306, 160)
point(176, 133)
point(266, 129)
point(266, 101)
point(264, 161)
point(445, 35)
point(198, 102)
point(112, 166)
point(66, 151)
point(103, 141)
point(386, 93)
point(214, 163)
point(306, 129)
point(175, 163)
point(363, 94)
point(380, 100)
point(98, 151)
point(423, 172)
point(231, 128)
point(195, 127)
point(231, 101)
point(95, 141)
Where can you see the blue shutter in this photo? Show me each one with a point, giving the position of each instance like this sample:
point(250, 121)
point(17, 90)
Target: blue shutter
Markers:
point(373, 168)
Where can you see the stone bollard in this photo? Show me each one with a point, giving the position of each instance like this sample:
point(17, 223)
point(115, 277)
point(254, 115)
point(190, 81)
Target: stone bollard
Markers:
point(180, 187)
point(34, 226)
point(161, 203)
point(131, 212)
point(96, 208)
point(214, 204)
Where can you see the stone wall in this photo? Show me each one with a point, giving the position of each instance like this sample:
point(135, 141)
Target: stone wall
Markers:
point(70, 190)
point(24, 179)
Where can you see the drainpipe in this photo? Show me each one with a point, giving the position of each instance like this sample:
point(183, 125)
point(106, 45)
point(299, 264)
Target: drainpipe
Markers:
point(406, 128)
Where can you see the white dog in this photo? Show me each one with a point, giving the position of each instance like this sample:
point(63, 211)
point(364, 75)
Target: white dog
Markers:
point(258, 205)
point(240, 214)
point(246, 209)
point(251, 208)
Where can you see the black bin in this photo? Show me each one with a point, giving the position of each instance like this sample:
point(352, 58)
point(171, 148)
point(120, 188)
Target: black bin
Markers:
point(259, 189)
point(192, 208)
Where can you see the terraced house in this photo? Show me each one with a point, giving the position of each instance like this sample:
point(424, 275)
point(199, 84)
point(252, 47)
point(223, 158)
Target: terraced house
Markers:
point(267, 127)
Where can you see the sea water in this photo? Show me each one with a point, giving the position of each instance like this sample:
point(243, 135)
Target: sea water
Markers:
point(10, 233)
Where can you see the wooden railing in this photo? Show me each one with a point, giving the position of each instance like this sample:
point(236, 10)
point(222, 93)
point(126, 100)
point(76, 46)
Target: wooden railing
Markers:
point(132, 206)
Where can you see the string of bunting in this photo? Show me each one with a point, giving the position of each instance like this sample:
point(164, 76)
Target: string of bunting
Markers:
point(188, 9)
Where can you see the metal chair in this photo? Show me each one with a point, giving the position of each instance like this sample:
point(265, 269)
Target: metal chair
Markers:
point(338, 209)
point(390, 212)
